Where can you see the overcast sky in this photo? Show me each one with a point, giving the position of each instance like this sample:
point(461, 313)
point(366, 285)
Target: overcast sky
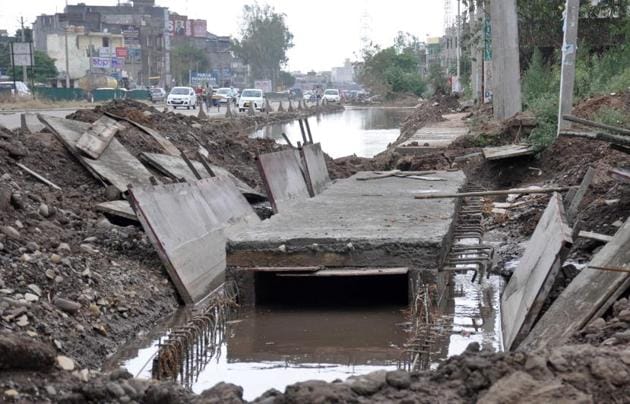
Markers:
point(326, 31)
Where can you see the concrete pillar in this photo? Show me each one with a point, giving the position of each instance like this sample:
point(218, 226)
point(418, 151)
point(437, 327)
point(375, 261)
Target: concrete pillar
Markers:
point(505, 63)
point(569, 51)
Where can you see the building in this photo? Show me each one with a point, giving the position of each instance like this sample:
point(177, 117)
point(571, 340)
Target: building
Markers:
point(144, 54)
point(344, 74)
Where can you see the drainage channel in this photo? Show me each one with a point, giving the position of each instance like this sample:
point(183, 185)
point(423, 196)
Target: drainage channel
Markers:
point(274, 345)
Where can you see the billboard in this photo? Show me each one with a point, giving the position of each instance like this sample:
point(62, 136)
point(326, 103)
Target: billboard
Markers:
point(122, 52)
point(202, 79)
point(22, 54)
point(177, 25)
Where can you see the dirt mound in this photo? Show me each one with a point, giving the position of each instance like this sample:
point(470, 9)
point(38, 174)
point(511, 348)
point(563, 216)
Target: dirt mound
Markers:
point(590, 107)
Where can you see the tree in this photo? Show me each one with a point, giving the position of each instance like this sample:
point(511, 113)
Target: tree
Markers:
point(43, 71)
point(392, 71)
point(287, 80)
point(265, 40)
point(186, 58)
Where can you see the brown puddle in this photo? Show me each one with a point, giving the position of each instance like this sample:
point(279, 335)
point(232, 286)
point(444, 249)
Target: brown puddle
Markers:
point(272, 347)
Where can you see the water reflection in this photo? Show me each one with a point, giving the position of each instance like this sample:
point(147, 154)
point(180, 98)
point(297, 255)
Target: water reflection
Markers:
point(361, 131)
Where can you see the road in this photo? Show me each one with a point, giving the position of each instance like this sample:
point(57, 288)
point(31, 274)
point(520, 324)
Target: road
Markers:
point(11, 119)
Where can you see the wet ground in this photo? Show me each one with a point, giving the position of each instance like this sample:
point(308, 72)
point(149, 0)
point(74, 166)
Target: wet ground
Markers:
point(272, 347)
point(361, 131)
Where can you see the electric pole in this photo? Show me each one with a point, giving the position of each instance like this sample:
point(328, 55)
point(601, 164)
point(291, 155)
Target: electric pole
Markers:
point(68, 58)
point(458, 39)
point(24, 75)
point(569, 50)
point(505, 64)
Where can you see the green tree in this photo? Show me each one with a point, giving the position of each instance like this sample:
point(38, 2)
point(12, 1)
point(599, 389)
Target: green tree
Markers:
point(392, 71)
point(265, 40)
point(286, 79)
point(43, 71)
point(186, 58)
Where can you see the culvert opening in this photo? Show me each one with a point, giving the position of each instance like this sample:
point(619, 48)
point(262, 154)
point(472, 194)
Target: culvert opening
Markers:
point(274, 289)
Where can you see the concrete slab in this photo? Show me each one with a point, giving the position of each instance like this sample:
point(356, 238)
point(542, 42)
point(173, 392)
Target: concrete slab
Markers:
point(166, 144)
point(354, 224)
point(117, 208)
point(316, 170)
point(30, 124)
point(176, 168)
point(588, 296)
point(188, 224)
point(435, 136)
point(116, 165)
point(535, 274)
point(507, 152)
point(283, 178)
point(96, 139)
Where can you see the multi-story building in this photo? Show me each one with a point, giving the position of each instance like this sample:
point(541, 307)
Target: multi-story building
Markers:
point(344, 74)
point(144, 54)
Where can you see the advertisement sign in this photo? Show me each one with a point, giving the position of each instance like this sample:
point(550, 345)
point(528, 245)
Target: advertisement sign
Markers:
point(264, 85)
point(105, 52)
point(122, 52)
point(203, 79)
point(199, 28)
point(101, 63)
point(177, 25)
point(118, 63)
point(22, 54)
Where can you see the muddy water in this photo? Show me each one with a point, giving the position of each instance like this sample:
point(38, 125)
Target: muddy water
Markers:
point(361, 131)
point(272, 347)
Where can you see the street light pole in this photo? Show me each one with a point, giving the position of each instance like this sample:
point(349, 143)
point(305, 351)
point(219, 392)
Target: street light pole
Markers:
point(67, 58)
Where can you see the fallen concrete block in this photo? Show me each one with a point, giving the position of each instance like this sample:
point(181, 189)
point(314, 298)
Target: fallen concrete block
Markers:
point(97, 138)
point(283, 178)
point(316, 171)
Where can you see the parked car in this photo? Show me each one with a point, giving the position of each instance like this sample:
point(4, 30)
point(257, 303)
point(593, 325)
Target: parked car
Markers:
point(253, 96)
point(182, 97)
point(157, 94)
point(332, 95)
point(295, 93)
point(22, 89)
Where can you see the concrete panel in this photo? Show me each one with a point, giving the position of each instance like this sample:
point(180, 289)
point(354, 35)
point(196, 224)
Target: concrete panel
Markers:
point(176, 168)
point(435, 136)
point(355, 223)
point(316, 170)
point(506, 152)
point(96, 139)
point(283, 178)
point(117, 208)
point(588, 296)
point(533, 278)
point(116, 165)
point(188, 223)
point(30, 124)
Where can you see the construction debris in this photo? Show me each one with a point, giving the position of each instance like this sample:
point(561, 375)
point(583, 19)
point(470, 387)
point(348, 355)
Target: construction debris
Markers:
point(506, 152)
point(97, 138)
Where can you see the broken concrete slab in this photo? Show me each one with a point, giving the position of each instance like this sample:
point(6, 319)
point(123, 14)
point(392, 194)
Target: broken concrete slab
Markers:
point(166, 144)
point(354, 224)
point(533, 278)
point(588, 296)
point(97, 138)
point(435, 136)
point(176, 168)
point(316, 171)
point(116, 165)
point(30, 124)
point(188, 223)
point(507, 152)
point(117, 208)
point(283, 178)
point(621, 175)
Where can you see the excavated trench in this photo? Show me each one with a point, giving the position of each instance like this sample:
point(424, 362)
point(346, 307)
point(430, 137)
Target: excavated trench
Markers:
point(327, 328)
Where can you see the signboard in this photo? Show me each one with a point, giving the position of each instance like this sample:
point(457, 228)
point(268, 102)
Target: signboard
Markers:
point(487, 39)
point(199, 28)
point(101, 63)
point(105, 52)
point(122, 52)
point(264, 85)
point(202, 79)
point(22, 54)
point(177, 25)
point(118, 63)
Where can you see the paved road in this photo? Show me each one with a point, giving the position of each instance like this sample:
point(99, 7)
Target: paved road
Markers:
point(11, 119)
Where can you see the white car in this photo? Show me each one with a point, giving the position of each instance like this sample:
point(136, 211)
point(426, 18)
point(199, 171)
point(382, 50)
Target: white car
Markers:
point(224, 95)
point(252, 96)
point(22, 89)
point(332, 95)
point(182, 97)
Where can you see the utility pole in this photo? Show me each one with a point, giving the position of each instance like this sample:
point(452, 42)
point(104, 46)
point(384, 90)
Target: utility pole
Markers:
point(505, 64)
point(569, 50)
point(67, 57)
point(459, 38)
point(24, 75)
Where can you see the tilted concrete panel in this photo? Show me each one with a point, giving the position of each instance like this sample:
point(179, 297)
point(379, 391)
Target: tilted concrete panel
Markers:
point(283, 178)
point(316, 170)
point(533, 278)
point(188, 224)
